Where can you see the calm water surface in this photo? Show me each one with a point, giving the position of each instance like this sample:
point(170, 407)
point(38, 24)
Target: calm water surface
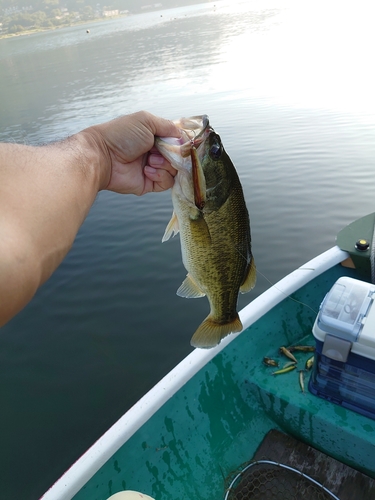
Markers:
point(289, 87)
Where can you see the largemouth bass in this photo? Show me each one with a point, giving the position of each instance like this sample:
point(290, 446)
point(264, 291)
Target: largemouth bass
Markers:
point(211, 216)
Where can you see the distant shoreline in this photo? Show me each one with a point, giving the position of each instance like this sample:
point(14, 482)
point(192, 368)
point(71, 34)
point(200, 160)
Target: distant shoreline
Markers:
point(78, 23)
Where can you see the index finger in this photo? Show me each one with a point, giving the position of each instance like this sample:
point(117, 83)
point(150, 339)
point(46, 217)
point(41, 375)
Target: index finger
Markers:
point(157, 161)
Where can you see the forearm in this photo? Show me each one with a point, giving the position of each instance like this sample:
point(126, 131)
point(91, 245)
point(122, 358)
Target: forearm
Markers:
point(45, 194)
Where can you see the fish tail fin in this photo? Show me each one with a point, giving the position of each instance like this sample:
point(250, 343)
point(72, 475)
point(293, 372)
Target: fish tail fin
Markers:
point(210, 332)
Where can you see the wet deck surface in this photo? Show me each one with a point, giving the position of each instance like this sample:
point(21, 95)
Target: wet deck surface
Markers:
point(343, 481)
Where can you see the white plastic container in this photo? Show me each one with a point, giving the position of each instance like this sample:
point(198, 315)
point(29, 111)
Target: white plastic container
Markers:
point(344, 330)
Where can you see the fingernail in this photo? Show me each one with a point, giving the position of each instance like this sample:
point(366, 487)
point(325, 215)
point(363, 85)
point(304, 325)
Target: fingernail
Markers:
point(156, 159)
point(150, 170)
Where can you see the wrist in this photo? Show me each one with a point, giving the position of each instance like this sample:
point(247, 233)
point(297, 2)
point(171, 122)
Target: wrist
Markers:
point(97, 156)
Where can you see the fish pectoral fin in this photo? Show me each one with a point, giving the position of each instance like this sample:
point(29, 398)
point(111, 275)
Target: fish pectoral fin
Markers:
point(250, 279)
point(189, 289)
point(199, 227)
point(172, 228)
point(210, 333)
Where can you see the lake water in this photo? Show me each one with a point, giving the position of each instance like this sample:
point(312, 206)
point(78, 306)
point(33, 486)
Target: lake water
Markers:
point(290, 88)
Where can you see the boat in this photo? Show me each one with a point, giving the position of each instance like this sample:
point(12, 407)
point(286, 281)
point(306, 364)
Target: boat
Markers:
point(220, 425)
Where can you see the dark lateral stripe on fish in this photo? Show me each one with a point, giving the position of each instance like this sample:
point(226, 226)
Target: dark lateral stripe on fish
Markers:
point(213, 223)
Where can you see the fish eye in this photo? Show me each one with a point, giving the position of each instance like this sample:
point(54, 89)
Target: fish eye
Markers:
point(215, 151)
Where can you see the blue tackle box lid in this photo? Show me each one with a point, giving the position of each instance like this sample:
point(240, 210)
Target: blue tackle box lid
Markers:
point(347, 314)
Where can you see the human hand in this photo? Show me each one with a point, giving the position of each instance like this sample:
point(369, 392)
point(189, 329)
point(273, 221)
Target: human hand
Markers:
point(130, 163)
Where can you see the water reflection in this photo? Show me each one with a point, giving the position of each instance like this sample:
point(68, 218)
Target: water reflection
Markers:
point(76, 73)
point(291, 95)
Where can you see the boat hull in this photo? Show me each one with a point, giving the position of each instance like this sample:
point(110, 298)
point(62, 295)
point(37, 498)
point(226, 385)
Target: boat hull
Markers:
point(210, 414)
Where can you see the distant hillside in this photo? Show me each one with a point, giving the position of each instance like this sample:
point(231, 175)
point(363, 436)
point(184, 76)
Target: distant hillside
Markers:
point(17, 16)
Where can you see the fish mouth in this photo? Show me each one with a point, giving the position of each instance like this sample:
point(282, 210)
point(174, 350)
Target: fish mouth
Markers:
point(194, 131)
point(194, 127)
point(185, 154)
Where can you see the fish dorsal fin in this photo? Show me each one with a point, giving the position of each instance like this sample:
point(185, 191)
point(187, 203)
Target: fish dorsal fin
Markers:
point(172, 228)
point(189, 289)
point(251, 277)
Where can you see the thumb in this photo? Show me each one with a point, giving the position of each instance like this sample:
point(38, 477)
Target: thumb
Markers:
point(163, 127)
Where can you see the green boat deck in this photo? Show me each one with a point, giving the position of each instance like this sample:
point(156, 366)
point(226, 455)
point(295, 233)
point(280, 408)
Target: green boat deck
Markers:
point(216, 422)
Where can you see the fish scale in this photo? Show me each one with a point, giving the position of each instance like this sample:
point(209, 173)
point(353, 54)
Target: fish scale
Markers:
point(211, 216)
